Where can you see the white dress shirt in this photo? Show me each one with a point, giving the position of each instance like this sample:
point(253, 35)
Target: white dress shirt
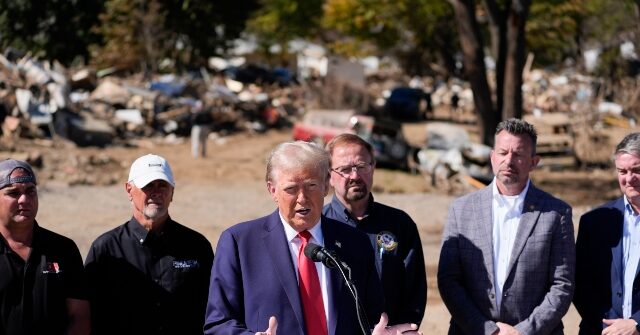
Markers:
point(507, 211)
point(630, 255)
point(294, 246)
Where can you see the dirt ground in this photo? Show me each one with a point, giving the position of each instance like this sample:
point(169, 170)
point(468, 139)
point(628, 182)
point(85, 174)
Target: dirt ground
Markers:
point(228, 187)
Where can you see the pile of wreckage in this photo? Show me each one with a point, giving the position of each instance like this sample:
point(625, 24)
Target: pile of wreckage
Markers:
point(579, 120)
point(94, 108)
point(578, 117)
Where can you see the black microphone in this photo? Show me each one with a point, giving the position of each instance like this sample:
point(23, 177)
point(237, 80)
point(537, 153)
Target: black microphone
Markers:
point(319, 254)
point(330, 259)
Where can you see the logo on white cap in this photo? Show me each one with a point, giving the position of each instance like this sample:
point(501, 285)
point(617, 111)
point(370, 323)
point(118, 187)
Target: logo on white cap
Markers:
point(149, 168)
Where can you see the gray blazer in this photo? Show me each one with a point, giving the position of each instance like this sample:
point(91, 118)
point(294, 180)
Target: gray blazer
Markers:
point(540, 280)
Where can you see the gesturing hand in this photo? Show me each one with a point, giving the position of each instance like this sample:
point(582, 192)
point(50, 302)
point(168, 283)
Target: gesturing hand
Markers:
point(406, 328)
point(273, 326)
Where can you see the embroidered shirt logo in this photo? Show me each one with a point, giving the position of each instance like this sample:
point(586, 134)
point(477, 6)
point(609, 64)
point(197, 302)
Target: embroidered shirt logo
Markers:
point(186, 264)
point(51, 267)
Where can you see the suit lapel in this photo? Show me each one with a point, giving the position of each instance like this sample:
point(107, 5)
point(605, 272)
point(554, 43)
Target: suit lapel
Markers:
point(336, 283)
point(617, 249)
point(530, 215)
point(484, 205)
point(277, 246)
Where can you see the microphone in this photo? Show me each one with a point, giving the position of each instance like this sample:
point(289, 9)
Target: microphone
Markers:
point(319, 254)
point(330, 259)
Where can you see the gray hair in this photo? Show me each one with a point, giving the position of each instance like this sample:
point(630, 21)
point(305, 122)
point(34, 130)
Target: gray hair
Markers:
point(298, 155)
point(630, 144)
point(519, 127)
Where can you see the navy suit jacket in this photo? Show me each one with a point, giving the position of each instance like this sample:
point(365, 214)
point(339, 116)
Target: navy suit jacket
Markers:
point(599, 268)
point(253, 278)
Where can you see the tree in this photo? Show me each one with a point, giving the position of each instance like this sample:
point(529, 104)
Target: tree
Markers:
point(56, 29)
point(277, 22)
point(123, 39)
point(138, 34)
point(199, 29)
point(507, 29)
point(554, 30)
point(417, 32)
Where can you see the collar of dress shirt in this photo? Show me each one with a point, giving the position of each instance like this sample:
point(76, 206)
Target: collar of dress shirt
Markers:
point(513, 202)
point(316, 232)
point(628, 208)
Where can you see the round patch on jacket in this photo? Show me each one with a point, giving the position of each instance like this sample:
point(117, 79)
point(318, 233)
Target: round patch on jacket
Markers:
point(387, 241)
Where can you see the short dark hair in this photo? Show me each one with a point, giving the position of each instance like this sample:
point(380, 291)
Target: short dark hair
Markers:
point(346, 139)
point(630, 144)
point(519, 127)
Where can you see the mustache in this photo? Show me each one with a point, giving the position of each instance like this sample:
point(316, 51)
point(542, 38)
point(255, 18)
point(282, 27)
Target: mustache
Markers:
point(355, 183)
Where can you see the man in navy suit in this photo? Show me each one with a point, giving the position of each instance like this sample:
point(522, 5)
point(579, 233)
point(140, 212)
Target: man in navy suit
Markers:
point(607, 292)
point(254, 280)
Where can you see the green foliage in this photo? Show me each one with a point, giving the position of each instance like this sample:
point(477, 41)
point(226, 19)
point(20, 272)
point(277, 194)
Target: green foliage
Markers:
point(412, 30)
point(54, 29)
point(553, 29)
point(279, 21)
point(606, 19)
point(120, 29)
point(137, 34)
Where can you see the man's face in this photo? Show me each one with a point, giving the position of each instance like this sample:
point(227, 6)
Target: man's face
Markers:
point(151, 201)
point(299, 193)
point(628, 171)
point(18, 202)
point(512, 159)
point(350, 185)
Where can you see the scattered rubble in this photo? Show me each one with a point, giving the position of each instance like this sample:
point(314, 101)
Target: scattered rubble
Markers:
point(579, 118)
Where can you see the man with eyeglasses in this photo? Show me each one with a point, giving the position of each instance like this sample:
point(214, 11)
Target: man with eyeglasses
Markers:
point(263, 282)
point(399, 259)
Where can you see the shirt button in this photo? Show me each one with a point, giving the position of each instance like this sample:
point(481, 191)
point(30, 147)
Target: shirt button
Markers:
point(141, 240)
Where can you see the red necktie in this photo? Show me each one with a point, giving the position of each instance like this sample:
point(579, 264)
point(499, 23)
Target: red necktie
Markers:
point(310, 292)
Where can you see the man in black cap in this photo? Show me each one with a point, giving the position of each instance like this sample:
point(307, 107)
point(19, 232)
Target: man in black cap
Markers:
point(42, 282)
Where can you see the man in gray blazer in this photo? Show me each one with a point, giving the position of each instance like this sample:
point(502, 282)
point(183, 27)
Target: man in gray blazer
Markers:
point(508, 255)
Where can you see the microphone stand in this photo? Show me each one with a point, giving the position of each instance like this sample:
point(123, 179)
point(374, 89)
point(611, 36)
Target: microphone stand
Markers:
point(362, 316)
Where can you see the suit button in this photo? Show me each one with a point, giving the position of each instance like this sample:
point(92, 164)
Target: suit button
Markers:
point(619, 294)
point(491, 296)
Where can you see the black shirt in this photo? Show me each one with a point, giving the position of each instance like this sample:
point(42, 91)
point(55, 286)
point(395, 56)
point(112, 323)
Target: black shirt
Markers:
point(33, 294)
point(399, 257)
point(149, 282)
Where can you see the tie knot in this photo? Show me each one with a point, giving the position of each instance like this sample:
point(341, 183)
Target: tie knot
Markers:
point(305, 236)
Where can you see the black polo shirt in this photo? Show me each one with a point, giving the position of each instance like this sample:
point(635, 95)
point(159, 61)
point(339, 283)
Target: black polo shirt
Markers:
point(399, 257)
point(149, 282)
point(33, 294)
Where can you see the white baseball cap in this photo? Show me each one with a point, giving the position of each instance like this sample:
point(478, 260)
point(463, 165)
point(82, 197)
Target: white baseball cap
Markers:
point(149, 168)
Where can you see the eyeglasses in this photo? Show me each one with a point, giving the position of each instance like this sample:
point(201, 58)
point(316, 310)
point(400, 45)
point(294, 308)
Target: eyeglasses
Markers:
point(360, 168)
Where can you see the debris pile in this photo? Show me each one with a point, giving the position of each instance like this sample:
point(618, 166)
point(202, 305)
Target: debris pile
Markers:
point(40, 100)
